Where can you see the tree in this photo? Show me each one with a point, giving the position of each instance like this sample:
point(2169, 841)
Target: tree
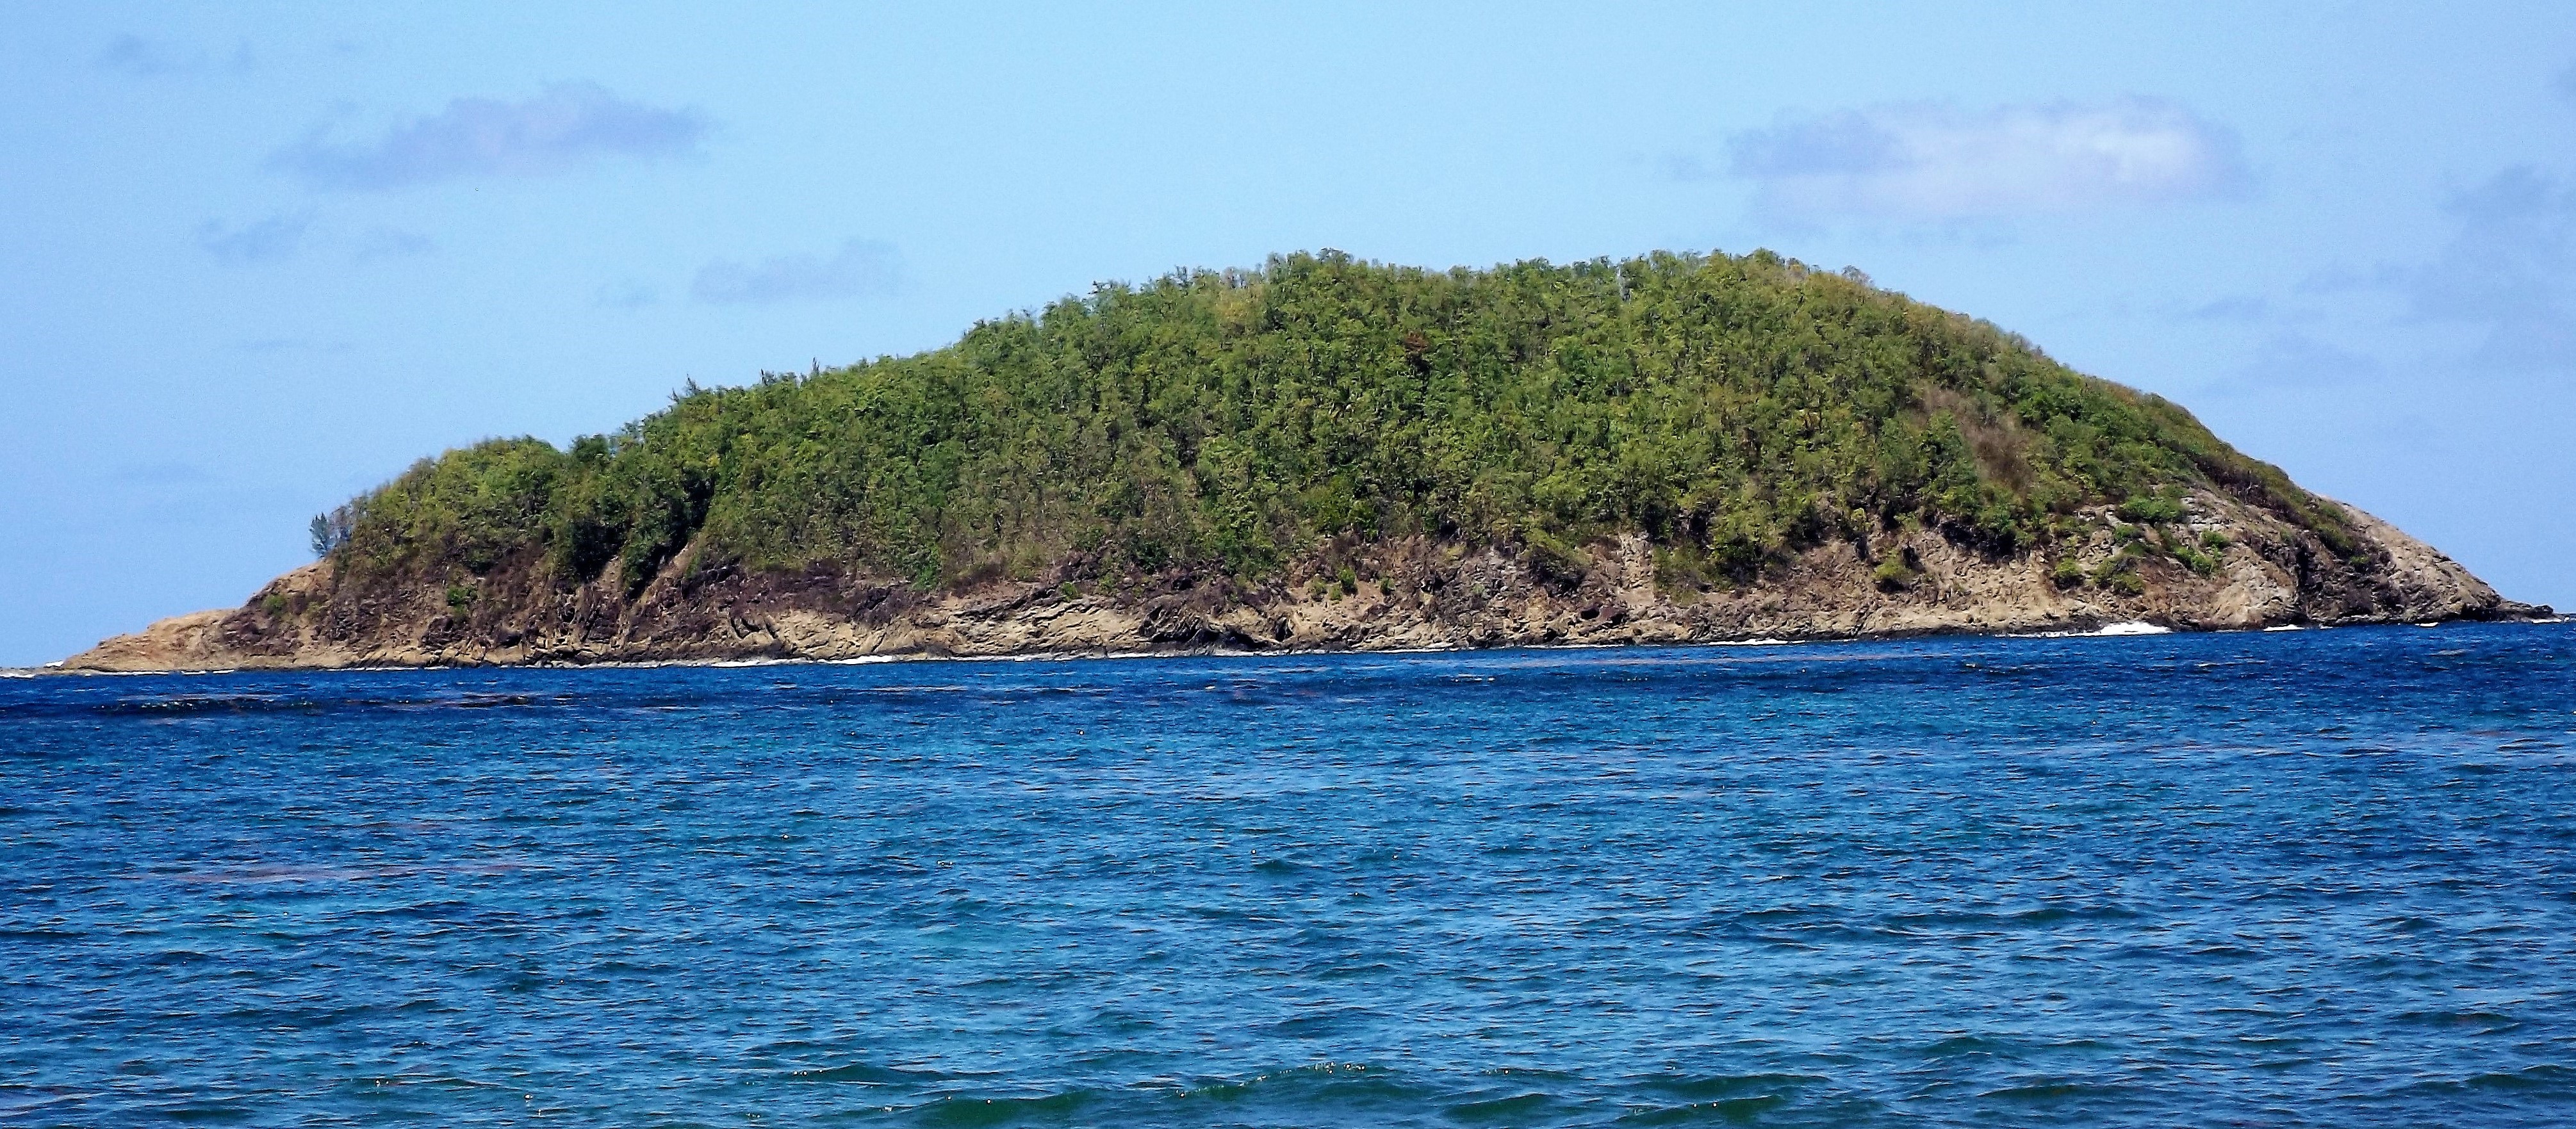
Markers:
point(331, 530)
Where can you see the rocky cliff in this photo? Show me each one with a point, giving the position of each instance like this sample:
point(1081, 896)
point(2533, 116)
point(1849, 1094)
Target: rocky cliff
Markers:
point(2253, 570)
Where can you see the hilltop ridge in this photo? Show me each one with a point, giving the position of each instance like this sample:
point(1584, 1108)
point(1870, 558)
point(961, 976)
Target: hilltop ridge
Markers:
point(1338, 454)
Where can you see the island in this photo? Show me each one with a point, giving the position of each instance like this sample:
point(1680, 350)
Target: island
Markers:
point(1333, 454)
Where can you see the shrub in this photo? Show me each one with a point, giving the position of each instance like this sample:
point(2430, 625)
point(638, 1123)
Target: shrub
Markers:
point(2160, 508)
point(1895, 572)
point(1681, 570)
point(2067, 574)
point(1555, 563)
point(2121, 563)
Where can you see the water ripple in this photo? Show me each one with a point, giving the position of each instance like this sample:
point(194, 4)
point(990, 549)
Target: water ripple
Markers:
point(2319, 877)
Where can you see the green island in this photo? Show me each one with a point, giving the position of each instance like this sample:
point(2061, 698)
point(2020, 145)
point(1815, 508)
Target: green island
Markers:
point(1399, 456)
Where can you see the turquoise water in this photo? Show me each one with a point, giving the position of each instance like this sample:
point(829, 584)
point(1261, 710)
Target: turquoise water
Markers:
point(2325, 877)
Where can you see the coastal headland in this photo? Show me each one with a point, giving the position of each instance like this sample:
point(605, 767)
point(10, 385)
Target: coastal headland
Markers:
point(1331, 454)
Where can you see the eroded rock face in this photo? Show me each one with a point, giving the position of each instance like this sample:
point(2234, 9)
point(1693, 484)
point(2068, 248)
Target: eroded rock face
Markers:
point(2255, 570)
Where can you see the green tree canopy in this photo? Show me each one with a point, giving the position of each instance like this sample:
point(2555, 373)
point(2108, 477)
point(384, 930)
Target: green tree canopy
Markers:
point(1733, 409)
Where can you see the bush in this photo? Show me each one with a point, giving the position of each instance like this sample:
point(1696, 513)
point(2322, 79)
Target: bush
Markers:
point(1895, 571)
point(1555, 563)
point(2198, 562)
point(2160, 508)
point(2128, 584)
point(2067, 574)
point(1682, 570)
point(2121, 563)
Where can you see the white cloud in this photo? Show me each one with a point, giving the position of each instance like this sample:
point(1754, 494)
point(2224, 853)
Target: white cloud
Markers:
point(1932, 162)
point(860, 267)
point(570, 125)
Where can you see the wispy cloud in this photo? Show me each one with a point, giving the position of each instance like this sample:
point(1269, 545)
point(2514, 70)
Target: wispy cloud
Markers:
point(272, 345)
point(2296, 360)
point(276, 237)
point(626, 296)
point(289, 234)
point(2238, 307)
point(2509, 268)
point(391, 243)
point(135, 55)
point(1927, 161)
point(568, 126)
point(1687, 168)
point(171, 473)
point(2341, 277)
point(860, 267)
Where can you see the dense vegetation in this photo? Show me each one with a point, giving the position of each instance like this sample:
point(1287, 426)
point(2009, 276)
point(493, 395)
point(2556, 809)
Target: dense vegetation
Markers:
point(1734, 409)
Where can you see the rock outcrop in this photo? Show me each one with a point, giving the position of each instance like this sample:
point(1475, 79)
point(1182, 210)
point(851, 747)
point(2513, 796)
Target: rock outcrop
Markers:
point(2226, 565)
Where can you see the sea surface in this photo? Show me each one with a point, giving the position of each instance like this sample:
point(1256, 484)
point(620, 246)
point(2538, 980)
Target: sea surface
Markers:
point(2321, 877)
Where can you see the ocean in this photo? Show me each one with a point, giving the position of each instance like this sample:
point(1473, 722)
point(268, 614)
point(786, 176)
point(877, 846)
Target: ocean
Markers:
point(2323, 877)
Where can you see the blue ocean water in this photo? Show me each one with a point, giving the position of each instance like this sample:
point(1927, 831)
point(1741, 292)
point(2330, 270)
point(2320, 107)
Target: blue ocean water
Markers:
point(2325, 877)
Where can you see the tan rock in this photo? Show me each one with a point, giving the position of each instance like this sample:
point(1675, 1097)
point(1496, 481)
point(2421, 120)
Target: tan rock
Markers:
point(1416, 593)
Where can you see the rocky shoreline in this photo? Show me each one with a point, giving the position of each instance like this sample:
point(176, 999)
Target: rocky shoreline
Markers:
point(1406, 594)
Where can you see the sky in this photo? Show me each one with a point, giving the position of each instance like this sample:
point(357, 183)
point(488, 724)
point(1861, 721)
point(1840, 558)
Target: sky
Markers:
point(260, 258)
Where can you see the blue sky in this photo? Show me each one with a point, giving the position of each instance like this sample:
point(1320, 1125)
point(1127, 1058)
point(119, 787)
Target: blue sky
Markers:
point(259, 259)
